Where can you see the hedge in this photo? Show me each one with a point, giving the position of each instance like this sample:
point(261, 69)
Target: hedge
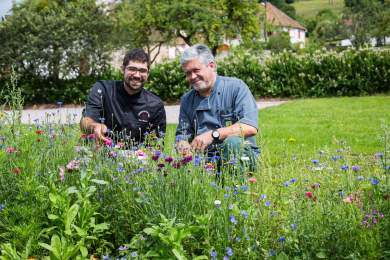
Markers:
point(287, 74)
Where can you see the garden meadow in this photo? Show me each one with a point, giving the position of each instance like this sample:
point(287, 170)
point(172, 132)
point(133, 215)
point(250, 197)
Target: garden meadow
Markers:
point(63, 196)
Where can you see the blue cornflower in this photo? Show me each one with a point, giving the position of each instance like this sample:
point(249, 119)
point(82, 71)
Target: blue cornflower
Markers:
point(263, 196)
point(281, 239)
point(359, 178)
point(120, 167)
point(293, 180)
point(387, 167)
point(267, 203)
point(106, 257)
point(229, 251)
point(134, 254)
point(244, 214)
point(233, 220)
point(286, 184)
point(226, 195)
point(344, 167)
point(238, 239)
point(215, 158)
point(374, 181)
point(2, 206)
point(336, 157)
point(213, 184)
point(341, 193)
point(294, 226)
point(213, 254)
point(244, 188)
point(315, 161)
point(231, 206)
point(197, 160)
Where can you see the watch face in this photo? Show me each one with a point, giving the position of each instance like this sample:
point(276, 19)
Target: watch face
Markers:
point(215, 134)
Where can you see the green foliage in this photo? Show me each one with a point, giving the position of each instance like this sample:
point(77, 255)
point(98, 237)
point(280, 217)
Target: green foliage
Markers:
point(55, 39)
point(168, 81)
point(279, 42)
point(71, 196)
point(287, 74)
point(209, 21)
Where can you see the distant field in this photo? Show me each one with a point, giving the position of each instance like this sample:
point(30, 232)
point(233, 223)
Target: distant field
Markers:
point(309, 8)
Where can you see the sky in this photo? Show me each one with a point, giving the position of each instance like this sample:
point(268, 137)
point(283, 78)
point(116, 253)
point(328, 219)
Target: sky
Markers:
point(5, 6)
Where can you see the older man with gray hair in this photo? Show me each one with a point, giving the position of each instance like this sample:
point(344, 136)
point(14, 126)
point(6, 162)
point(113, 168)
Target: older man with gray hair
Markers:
point(218, 113)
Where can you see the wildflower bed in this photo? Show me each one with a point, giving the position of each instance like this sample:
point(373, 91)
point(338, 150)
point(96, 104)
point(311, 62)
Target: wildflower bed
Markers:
point(62, 197)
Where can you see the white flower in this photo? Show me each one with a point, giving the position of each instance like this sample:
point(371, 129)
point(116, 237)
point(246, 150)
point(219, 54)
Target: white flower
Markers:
point(217, 203)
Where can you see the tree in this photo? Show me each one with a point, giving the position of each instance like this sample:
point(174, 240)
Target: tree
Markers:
point(55, 39)
point(365, 19)
point(210, 21)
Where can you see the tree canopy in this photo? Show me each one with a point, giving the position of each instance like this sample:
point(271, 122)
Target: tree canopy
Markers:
point(55, 39)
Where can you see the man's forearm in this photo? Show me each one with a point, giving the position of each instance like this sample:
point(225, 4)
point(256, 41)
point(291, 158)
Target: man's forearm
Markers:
point(237, 129)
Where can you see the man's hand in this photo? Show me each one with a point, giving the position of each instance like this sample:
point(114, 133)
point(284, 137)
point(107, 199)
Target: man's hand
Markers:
point(184, 148)
point(99, 130)
point(201, 142)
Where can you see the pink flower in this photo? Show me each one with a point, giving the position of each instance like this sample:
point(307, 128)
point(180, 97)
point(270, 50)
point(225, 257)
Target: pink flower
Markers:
point(61, 173)
point(348, 199)
point(73, 165)
point(140, 155)
point(10, 149)
point(252, 180)
point(108, 142)
point(309, 194)
point(16, 171)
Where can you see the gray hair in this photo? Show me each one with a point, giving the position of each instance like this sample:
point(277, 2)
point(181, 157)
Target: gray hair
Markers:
point(197, 51)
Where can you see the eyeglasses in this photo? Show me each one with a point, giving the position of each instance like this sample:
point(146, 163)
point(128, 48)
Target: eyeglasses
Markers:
point(134, 70)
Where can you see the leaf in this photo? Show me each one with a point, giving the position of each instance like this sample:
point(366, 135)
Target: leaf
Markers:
point(179, 255)
point(84, 251)
point(321, 255)
point(53, 198)
point(71, 190)
point(70, 216)
point(52, 216)
point(56, 246)
point(99, 181)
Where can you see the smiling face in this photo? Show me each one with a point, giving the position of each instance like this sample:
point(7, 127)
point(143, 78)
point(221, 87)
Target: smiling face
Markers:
point(135, 75)
point(200, 76)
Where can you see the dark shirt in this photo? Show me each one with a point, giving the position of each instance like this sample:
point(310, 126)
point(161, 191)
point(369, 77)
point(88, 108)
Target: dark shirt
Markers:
point(130, 116)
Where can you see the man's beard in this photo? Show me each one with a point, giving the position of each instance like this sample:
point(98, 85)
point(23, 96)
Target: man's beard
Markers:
point(201, 87)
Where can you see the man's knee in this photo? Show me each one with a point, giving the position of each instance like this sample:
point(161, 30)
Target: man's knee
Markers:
point(232, 143)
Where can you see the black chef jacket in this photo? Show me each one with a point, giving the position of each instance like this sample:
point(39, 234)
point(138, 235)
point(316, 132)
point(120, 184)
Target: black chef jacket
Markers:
point(130, 116)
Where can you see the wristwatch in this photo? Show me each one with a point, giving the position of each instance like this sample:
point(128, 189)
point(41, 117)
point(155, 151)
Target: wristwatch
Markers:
point(215, 135)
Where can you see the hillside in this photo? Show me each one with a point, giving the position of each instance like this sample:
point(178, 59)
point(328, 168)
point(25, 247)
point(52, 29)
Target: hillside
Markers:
point(310, 8)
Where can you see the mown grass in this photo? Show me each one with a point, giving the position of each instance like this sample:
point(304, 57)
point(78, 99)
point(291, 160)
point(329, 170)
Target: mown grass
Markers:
point(310, 8)
point(309, 125)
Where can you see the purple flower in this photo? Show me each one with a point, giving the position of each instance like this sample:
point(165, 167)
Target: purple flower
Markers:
point(123, 248)
point(244, 188)
point(286, 184)
point(244, 214)
point(379, 155)
point(233, 220)
point(293, 180)
point(229, 251)
point(281, 239)
point(344, 167)
point(355, 168)
point(294, 226)
point(387, 167)
point(134, 254)
point(168, 159)
point(336, 157)
point(267, 203)
point(263, 196)
point(213, 254)
point(315, 161)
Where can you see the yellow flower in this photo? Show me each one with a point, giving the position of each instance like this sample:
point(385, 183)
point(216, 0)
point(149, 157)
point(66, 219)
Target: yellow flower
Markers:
point(292, 140)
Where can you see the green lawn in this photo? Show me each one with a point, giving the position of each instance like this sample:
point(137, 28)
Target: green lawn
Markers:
point(310, 8)
point(314, 124)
